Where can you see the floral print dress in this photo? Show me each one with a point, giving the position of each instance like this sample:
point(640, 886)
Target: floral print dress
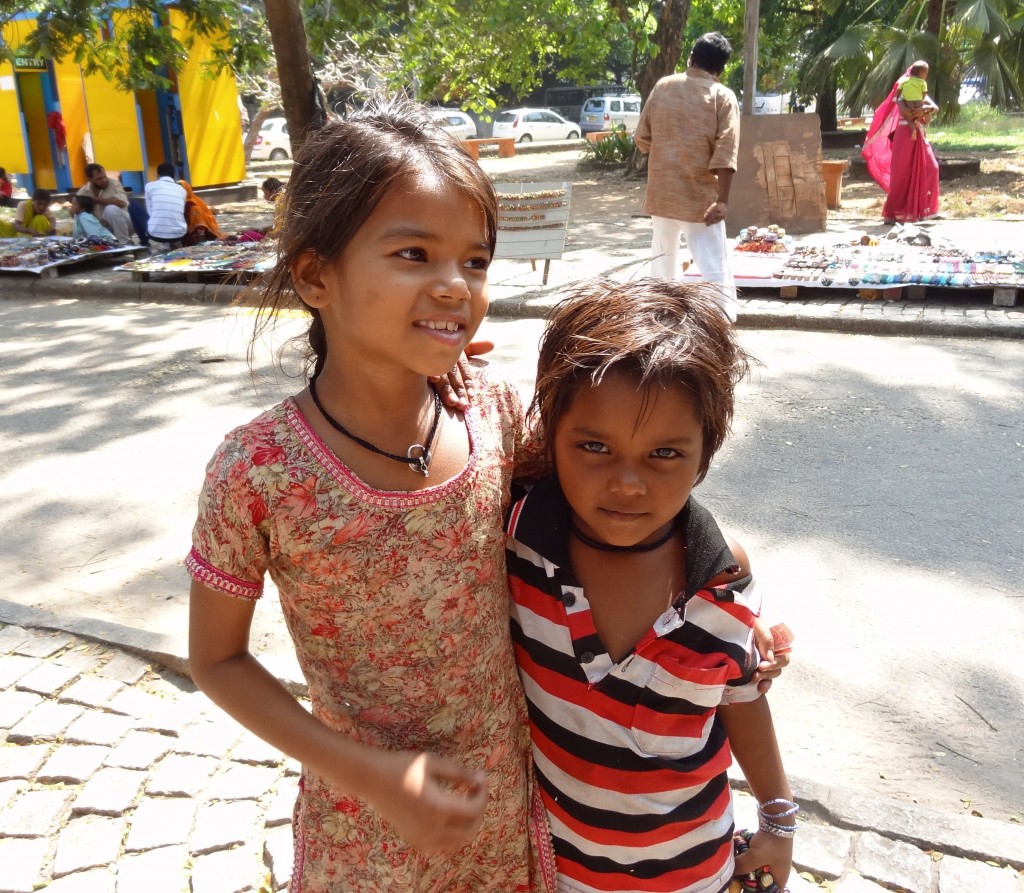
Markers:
point(397, 603)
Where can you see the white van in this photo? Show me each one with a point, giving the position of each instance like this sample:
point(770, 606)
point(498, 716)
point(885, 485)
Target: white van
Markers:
point(610, 113)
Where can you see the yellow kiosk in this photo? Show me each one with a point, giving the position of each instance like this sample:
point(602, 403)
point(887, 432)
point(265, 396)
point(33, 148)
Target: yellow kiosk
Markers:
point(54, 119)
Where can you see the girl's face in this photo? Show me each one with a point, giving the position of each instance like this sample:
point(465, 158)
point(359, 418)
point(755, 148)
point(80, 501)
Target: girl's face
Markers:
point(627, 460)
point(410, 289)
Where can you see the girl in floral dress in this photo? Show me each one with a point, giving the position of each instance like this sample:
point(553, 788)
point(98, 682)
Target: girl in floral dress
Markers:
point(378, 514)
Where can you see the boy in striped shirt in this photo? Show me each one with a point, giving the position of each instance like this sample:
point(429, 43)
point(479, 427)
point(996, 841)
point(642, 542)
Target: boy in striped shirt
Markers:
point(632, 614)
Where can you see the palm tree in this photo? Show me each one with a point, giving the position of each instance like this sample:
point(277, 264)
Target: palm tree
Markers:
point(959, 38)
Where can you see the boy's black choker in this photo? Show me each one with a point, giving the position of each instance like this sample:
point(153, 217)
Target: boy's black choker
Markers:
point(607, 547)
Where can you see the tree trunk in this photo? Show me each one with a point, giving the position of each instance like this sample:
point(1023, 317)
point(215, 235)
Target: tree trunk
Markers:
point(294, 67)
point(825, 106)
point(668, 37)
point(254, 131)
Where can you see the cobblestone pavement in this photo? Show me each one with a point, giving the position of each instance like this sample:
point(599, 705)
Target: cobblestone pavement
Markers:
point(117, 776)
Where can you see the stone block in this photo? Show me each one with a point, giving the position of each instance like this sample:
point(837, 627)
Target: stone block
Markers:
point(253, 749)
point(822, 849)
point(14, 666)
point(100, 880)
point(227, 871)
point(40, 644)
point(222, 825)
point(239, 781)
point(210, 737)
point(14, 705)
point(124, 667)
point(10, 789)
point(181, 775)
point(85, 658)
point(854, 883)
point(92, 691)
point(279, 855)
point(11, 637)
point(97, 727)
point(22, 862)
point(158, 871)
point(35, 813)
point(160, 823)
point(893, 862)
point(22, 761)
point(46, 720)
point(136, 703)
point(140, 750)
point(89, 841)
point(282, 802)
point(72, 763)
point(47, 679)
point(110, 791)
point(960, 875)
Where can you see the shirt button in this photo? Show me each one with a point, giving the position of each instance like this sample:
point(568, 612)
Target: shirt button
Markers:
point(568, 599)
point(587, 657)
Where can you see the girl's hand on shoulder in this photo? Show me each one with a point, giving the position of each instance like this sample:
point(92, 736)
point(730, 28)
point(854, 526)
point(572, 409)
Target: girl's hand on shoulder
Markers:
point(432, 802)
point(767, 850)
point(458, 386)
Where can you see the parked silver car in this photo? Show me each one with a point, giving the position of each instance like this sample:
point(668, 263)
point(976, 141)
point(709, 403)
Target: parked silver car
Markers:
point(610, 113)
point(526, 125)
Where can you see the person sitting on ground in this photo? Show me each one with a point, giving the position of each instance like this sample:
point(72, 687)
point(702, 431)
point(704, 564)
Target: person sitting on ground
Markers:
point(165, 204)
point(273, 191)
point(111, 202)
point(199, 217)
point(86, 222)
point(6, 190)
point(32, 217)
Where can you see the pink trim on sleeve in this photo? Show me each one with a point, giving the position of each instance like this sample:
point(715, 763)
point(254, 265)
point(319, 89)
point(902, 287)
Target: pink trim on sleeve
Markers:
point(205, 573)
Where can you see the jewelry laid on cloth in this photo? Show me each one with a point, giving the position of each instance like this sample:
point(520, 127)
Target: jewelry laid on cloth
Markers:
point(417, 457)
point(607, 547)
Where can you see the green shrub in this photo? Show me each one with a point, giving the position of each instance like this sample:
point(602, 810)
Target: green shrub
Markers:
point(614, 149)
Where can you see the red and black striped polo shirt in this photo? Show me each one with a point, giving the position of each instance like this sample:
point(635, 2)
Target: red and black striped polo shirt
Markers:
point(630, 757)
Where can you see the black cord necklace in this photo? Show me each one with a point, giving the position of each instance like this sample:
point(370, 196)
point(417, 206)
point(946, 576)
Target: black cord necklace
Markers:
point(607, 547)
point(417, 457)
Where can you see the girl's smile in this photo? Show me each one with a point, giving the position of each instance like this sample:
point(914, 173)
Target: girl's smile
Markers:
point(410, 289)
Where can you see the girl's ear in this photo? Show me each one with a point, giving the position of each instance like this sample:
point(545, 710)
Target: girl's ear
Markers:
point(307, 278)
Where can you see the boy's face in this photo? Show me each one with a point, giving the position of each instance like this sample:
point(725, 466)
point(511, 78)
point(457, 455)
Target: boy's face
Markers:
point(628, 459)
point(75, 207)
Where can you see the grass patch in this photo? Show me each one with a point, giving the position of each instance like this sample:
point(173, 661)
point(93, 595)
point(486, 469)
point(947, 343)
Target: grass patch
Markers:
point(980, 129)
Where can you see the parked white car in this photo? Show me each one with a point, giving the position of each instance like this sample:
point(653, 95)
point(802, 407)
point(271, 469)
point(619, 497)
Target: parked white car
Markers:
point(456, 122)
point(610, 113)
point(272, 141)
point(526, 125)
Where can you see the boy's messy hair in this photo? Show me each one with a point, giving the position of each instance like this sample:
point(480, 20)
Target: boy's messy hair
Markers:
point(340, 175)
point(662, 332)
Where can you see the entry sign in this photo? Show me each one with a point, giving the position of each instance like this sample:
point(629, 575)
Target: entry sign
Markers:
point(24, 62)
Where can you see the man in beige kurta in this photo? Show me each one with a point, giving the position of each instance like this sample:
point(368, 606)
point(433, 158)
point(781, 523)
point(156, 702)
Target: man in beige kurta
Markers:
point(690, 126)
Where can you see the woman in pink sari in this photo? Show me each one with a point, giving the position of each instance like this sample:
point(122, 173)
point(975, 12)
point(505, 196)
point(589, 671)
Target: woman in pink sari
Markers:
point(900, 158)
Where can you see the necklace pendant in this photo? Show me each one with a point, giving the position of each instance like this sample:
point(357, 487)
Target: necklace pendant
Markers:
point(419, 458)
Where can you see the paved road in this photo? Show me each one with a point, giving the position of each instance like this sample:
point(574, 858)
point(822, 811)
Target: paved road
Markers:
point(877, 482)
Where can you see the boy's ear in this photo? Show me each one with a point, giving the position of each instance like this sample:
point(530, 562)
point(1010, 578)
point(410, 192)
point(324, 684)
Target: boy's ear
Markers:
point(307, 278)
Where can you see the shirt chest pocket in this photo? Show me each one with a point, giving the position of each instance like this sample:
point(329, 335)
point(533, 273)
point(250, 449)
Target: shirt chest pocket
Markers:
point(676, 708)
